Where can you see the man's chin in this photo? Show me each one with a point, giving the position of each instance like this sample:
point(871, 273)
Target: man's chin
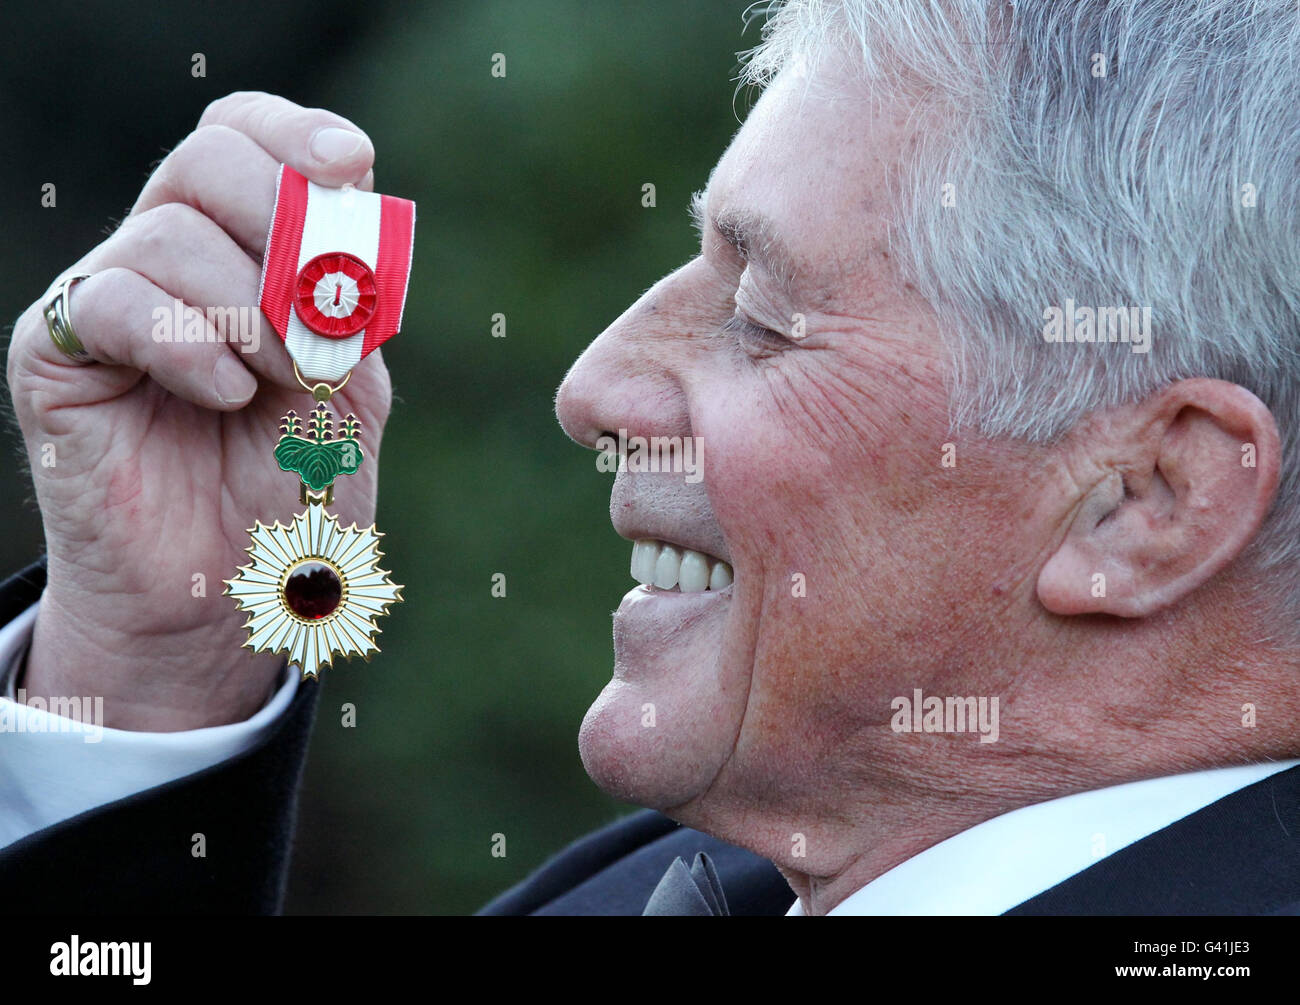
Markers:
point(633, 757)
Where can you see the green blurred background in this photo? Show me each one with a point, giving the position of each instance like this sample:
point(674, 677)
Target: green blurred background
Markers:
point(529, 193)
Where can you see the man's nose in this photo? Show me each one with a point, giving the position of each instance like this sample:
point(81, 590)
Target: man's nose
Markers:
point(630, 377)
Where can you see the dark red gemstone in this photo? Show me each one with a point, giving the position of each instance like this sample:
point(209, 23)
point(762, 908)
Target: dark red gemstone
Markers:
point(313, 591)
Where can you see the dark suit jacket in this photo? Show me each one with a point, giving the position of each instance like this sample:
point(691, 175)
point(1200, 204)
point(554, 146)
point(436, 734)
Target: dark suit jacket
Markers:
point(1240, 855)
point(133, 856)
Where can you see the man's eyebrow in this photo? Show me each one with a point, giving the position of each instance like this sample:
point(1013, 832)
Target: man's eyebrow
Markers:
point(752, 235)
point(696, 209)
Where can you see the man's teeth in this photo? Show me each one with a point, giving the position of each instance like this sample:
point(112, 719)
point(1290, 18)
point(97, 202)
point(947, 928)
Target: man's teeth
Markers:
point(666, 566)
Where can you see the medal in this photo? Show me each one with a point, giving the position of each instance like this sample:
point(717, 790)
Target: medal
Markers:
point(334, 283)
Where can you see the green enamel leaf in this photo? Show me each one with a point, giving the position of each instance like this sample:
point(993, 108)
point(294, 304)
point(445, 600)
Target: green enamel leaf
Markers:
point(349, 452)
point(318, 464)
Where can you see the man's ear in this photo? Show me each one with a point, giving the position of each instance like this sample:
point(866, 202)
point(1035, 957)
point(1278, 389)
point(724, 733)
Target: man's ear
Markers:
point(1193, 472)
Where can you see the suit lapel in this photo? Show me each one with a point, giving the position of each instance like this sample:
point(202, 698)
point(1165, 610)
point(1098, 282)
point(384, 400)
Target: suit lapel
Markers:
point(1239, 855)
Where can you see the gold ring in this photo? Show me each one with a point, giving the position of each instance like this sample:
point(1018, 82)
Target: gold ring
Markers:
point(320, 390)
point(58, 320)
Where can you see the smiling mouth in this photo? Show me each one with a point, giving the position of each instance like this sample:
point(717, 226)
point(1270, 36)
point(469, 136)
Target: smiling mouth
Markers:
point(668, 567)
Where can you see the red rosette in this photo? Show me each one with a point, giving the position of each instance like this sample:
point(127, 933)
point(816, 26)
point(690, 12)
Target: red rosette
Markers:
point(335, 294)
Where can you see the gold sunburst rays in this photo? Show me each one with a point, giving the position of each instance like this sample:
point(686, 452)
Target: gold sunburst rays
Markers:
point(313, 590)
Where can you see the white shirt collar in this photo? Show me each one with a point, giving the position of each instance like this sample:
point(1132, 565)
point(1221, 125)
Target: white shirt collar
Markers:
point(1000, 863)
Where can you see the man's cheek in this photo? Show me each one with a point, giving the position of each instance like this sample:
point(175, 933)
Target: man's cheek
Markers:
point(758, 450)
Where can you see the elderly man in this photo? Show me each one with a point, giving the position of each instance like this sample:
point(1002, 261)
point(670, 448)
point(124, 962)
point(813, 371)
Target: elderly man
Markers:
point(986, 601)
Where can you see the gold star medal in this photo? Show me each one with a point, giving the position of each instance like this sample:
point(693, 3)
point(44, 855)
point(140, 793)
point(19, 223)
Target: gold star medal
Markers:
point(334, 283)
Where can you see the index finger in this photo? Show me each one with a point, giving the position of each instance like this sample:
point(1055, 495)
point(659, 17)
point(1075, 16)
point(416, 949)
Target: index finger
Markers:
point(325, 147)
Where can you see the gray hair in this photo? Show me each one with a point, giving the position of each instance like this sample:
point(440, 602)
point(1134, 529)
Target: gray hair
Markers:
point(1171, 182)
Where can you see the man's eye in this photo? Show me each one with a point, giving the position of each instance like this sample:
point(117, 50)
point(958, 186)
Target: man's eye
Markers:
point(753, 337)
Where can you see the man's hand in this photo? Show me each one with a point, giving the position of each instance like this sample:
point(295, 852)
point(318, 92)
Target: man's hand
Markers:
point(151, 463)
